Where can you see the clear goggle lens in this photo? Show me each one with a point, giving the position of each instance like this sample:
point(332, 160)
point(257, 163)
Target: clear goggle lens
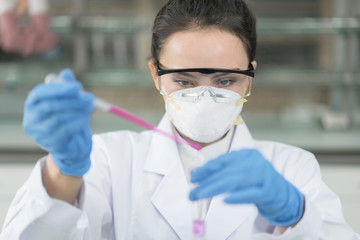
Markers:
point(236, 82)
point(194, 94)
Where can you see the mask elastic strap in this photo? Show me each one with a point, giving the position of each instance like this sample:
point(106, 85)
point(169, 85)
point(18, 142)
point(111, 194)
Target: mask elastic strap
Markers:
point(238, 121)
point(169, 98)
point(241, 101)
point(170, 118)
point(173, 102)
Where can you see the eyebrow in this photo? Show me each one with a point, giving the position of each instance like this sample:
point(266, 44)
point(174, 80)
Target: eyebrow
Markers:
point(221, 74)
point(212, 77)
point(186, 74)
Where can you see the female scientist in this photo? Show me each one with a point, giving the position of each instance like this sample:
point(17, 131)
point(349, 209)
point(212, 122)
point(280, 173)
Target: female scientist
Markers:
point(128, 185)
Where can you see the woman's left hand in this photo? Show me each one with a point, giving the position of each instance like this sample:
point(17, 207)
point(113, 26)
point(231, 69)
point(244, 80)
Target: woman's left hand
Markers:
point(247, 177)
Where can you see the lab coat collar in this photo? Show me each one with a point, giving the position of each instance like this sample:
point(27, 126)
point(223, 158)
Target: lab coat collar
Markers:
point(242, 138)
point(171, 196)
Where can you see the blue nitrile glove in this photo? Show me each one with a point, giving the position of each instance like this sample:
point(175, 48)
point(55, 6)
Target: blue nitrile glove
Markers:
point(57, 117)
point(247, 177)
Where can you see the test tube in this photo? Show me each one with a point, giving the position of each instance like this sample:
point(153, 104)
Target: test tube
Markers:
point(199, 228)
point(200, 206)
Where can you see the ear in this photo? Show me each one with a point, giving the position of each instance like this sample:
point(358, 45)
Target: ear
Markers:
point(154, 75)
point(254, 63)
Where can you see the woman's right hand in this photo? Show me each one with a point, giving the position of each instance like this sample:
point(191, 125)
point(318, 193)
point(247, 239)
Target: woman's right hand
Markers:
point(57, 117)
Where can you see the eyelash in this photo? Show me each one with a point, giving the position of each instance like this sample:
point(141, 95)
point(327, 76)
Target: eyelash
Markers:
point(218, 82)
point(230, 81)
point(182, 81)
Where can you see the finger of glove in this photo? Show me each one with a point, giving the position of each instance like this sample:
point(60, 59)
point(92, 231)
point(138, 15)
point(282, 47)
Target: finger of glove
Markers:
point(50, 109)
point(274, 188)
point(56, 130)
point(249, 195)
point(69, 129)
point(43, 92)
point(213, 166)
point(264, 194)
point(75, 161)
point(243, 160)
point(207, 170)
point(35, 121)
point(56, 134)
point(82, 104)
point(77, 148)
point(214, 188)
point(67, 75)
point(80, 144)
point(246, 169)
point(227, 180)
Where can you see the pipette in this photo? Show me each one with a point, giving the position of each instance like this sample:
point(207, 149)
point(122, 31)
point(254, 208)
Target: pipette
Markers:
point(110, 108)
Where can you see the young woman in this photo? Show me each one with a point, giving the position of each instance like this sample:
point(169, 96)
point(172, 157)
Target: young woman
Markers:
point(127, 185)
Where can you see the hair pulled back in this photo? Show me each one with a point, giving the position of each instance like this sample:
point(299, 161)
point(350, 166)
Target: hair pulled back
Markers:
point(233, 16)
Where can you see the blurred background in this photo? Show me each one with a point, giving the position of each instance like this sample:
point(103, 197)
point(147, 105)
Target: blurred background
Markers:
point(306, 91)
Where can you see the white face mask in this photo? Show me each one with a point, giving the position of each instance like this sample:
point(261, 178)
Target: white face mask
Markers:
point(204, 114)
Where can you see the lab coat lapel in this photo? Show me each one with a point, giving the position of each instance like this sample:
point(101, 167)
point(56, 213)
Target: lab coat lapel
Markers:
point(223, 219)
point(171, 196)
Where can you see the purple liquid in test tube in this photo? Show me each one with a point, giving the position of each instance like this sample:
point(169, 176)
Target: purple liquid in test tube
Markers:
point(199, 229)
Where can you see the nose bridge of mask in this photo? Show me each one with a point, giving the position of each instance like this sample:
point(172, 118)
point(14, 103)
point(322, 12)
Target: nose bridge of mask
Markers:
point(206, 92)
point(203, 91)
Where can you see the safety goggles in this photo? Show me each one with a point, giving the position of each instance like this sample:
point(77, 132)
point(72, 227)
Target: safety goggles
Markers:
point(172, 80)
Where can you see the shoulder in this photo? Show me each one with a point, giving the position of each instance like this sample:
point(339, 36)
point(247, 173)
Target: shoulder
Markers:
point(291, 161)
point(275, 150)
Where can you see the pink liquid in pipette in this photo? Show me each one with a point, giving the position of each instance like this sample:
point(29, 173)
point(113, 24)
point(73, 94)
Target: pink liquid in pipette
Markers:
point(138, 121)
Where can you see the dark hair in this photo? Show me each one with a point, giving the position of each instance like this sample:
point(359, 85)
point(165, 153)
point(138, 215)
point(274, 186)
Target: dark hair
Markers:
point(233, 16)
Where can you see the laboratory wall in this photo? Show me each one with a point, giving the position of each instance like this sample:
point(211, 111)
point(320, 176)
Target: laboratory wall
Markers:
point(306, 90)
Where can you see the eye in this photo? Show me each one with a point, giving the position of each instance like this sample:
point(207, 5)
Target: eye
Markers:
point(226, 82)
point(183, 83)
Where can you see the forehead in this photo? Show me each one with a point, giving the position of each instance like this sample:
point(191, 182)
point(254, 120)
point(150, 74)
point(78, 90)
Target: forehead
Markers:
point(204, 48)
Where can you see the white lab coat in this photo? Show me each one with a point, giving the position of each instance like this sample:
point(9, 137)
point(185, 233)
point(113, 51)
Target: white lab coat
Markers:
point(136, 189)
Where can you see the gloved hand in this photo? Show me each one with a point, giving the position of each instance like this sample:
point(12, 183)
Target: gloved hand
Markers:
point(247, 177)
point(57, 117)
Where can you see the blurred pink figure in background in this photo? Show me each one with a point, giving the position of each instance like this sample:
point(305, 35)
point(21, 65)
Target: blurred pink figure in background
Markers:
point(34, 38)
